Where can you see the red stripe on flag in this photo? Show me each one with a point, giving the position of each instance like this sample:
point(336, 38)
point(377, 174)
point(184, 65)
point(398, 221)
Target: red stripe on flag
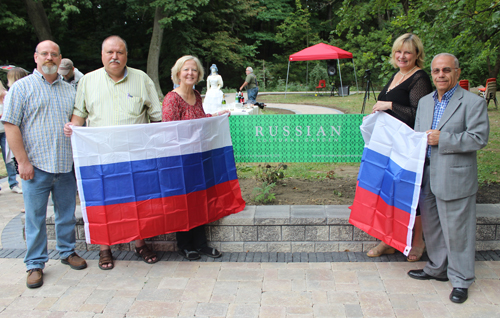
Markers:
point(123, 223)
point(374, 216)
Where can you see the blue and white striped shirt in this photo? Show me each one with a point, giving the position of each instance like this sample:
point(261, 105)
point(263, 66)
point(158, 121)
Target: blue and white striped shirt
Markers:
point(439, 107)
point(40, 110)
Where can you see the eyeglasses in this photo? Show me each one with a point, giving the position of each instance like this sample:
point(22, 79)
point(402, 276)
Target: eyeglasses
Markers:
point(445, 70)
point(53, 55)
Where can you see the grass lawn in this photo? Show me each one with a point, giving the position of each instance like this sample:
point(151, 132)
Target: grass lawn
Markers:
point(488, 157)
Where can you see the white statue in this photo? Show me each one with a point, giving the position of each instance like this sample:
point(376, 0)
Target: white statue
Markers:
point(214, 95)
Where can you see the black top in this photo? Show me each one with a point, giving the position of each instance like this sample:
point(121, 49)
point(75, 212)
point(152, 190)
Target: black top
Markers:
point(405, 96)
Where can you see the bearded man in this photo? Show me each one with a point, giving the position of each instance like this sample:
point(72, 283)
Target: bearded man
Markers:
point(36, 109)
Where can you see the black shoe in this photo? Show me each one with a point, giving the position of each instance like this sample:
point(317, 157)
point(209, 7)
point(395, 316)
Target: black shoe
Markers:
point(420, 274)
point(458, 295)
point(189, 255)
point(210, 252)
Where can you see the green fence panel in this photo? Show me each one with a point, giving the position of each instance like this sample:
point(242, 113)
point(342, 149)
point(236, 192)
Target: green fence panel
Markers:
point(297, 138)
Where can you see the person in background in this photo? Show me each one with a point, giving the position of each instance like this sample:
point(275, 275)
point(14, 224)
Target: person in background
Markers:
point(36, 109)
point(399, 98)
point(9, 166)
point(184, 103)
point(69, 73)
point(15, 74)
point(251, 84)
point(457, 126)
point(116, 95)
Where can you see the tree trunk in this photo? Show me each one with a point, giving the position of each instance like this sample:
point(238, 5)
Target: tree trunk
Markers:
point(406, 6)
point(496, 68)
point(154, 49)
point(38, 18)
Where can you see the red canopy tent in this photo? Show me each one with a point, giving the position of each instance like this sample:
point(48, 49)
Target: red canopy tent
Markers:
point(321, 51)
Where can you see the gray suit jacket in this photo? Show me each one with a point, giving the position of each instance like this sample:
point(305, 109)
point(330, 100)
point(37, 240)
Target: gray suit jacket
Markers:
point(464, 129)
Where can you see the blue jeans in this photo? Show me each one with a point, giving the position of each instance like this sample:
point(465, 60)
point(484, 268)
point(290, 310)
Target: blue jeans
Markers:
point(252, 95)
point(11, 167)
point(36, 195)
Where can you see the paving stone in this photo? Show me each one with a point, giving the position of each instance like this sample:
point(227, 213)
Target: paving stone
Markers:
point(222, 234)
point(272, 215)
point(269, 233)
point(308, 214)
point(245, 217)
point(317, 233)
point(280, 247)
point(245, 233)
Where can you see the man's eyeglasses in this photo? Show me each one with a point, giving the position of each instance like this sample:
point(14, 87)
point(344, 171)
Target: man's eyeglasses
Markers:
point(445, 70)
point(53, 55)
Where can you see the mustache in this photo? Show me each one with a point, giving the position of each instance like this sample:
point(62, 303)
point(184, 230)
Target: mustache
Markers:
point(114, 61)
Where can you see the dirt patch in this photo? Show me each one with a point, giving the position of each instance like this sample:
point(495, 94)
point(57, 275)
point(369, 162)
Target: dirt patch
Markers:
point(337, 191)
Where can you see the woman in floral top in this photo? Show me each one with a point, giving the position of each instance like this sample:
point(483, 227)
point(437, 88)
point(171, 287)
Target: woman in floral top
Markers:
point(184, 103)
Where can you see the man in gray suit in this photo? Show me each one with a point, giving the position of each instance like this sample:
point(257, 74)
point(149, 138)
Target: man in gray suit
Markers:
point(456, 122)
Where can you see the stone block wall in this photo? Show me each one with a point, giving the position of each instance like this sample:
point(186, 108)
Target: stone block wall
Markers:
point(290, 228)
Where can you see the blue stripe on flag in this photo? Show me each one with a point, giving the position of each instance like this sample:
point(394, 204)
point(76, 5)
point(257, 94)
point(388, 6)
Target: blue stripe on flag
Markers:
point(383, 177)
point(125, 182)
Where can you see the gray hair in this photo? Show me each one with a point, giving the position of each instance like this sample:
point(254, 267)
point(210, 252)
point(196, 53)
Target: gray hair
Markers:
point(114, 36)
point(250, 69)
point(457, 65)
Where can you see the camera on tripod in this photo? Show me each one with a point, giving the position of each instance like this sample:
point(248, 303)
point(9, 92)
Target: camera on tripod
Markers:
point(369, 85)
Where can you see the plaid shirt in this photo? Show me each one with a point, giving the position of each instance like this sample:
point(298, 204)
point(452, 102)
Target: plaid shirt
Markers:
point(439, 107)
point(40, 110)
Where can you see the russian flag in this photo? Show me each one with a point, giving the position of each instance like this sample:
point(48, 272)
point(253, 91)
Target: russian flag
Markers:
point(389, 180)
point(140, 181)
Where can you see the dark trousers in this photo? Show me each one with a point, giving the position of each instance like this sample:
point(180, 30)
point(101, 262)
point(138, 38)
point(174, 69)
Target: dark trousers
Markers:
point(192, 240)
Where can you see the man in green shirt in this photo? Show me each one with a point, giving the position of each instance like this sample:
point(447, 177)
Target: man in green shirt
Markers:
point(116, 95)
point(251, 82)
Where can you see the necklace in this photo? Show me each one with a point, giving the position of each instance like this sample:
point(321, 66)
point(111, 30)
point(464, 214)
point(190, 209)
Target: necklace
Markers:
point(401, 79)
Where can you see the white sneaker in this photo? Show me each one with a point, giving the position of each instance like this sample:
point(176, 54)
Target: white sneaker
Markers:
point(16, 189)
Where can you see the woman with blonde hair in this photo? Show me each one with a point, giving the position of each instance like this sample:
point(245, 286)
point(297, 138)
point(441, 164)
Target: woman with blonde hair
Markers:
point(399, 98)
point(184, 103)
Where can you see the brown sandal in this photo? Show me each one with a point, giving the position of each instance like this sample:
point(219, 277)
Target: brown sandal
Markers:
point(417, 252)
point(106, 258)
point(381, 249)
point(147, 255)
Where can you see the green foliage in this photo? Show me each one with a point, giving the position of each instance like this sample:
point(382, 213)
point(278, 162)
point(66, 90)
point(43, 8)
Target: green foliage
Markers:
point(263, 194)
point(296, 30)
point(64, 8)
point(263, 33)
point(270, 174)
point(317, 73)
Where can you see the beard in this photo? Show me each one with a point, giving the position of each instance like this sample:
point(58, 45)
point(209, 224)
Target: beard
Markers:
point(49, 69)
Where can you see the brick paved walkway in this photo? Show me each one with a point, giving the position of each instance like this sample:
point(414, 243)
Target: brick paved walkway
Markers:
point(237, 285)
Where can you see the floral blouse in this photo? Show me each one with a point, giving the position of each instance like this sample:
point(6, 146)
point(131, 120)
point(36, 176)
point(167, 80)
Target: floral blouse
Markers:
point(174, 107)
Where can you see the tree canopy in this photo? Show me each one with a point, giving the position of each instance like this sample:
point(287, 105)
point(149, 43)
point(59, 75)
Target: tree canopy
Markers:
point(260, 33)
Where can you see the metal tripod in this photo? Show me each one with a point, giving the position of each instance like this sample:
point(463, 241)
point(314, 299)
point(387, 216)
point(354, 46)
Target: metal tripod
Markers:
point(367, 90)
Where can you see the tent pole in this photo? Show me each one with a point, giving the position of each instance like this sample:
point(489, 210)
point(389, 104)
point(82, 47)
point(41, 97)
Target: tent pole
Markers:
point(340, 75)
point(288, 70)
point(355, 76)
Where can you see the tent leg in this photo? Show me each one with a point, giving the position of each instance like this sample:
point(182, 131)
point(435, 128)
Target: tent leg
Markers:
point(355, 76)
point(287, 71)
point(340, 75)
